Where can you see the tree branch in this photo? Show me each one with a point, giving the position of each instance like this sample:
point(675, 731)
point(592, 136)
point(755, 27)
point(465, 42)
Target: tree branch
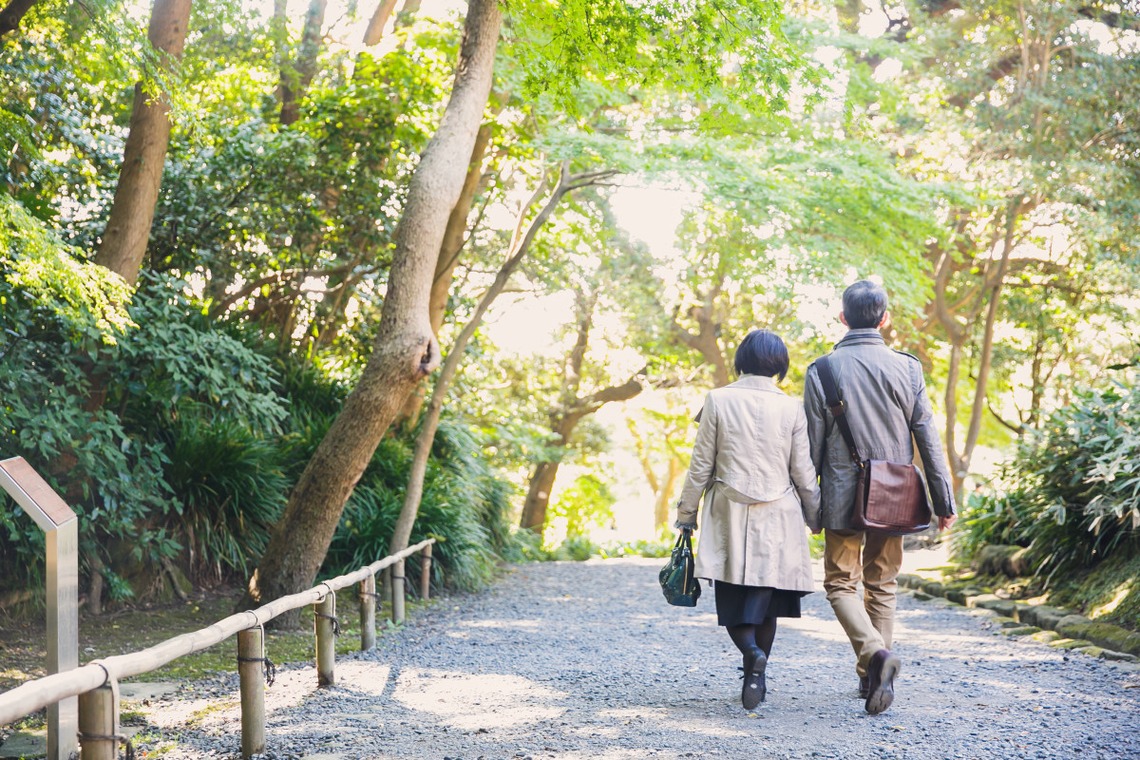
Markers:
point(13, 14)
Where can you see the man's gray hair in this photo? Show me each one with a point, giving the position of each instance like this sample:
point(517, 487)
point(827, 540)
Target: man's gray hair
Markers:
point(864, 304)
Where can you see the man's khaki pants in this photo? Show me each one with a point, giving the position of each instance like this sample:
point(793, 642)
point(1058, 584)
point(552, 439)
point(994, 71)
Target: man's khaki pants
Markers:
point(874, 558)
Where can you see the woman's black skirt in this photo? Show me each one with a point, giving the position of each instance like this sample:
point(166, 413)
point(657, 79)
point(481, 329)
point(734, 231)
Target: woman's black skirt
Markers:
point(750, 605)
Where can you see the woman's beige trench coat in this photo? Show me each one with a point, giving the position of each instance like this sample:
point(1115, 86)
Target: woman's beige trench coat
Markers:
point(752, 460)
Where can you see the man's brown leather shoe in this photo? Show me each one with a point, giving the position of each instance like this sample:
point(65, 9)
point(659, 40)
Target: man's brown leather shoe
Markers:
point(863, 687)
point(881, 672)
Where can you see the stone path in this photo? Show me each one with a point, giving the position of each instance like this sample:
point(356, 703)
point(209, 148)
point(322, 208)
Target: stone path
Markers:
point(585, 660)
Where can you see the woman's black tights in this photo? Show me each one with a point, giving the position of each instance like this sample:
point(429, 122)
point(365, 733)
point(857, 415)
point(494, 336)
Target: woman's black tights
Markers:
point(747, 636)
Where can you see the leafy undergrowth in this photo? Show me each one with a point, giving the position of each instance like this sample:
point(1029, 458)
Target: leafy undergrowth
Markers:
point(23, 654)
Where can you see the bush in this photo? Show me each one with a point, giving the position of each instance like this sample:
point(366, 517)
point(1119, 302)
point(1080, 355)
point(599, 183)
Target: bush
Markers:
point(59, 317)
point(1071, 494)
point(464, 505)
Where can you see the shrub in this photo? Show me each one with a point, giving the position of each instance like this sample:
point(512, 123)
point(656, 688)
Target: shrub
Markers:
point(59, 316)
point(1071, 494)
point(464, 505)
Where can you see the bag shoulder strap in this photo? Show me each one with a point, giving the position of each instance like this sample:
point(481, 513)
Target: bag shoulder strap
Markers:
point(836, 405)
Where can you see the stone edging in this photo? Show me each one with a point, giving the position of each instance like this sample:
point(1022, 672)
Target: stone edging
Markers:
point(1054, 626)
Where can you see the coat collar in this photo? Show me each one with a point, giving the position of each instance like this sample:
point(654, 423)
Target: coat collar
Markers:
point(757, 382)
point(862, 336)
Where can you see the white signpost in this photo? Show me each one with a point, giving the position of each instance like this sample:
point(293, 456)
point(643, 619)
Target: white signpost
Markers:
point(61, 528)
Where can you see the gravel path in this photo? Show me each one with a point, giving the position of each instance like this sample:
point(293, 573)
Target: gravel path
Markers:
point(585, 660)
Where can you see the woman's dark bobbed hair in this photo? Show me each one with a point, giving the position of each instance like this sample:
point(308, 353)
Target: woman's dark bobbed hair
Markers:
point(762, 352)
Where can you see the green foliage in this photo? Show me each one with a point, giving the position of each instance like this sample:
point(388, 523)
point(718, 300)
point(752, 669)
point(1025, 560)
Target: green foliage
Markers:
point(734, 50)
point(464, 505)
point(587, 504)
point(50, 288)
point(1072, 492)
point(59, 316)
point(232, 488)
point(179, 360)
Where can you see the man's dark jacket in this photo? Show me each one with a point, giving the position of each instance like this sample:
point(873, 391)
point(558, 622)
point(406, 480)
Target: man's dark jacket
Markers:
point(890, 416)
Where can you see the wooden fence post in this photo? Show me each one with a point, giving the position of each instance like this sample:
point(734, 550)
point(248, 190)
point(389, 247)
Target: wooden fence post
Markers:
point(425, 573)
point(386, 585)
point(252, 673)
point(324, 620)
point(97, 739)
point(398, 592)
point(368, 613)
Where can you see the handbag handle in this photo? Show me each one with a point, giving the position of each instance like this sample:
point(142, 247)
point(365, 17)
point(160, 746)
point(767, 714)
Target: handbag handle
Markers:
point(837, 406)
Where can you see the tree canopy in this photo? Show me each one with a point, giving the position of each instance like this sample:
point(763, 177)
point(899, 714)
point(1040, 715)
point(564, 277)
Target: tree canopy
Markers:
point(262, 264)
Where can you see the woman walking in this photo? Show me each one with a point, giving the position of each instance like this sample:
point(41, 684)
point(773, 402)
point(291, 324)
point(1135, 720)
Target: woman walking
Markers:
point(752, 461)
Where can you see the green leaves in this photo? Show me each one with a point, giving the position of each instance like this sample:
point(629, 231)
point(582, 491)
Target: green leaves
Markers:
point(732, 51)
point(1072, 493)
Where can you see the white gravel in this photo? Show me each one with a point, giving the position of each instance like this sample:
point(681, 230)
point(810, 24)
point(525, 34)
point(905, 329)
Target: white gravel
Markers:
point(585, 660)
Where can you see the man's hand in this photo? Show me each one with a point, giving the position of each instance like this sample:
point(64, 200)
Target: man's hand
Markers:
point(944, 523)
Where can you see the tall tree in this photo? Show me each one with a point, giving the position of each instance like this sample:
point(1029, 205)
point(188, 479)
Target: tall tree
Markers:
point(298, 75)
point(573, 406)
point(128, 228)
point(405, 349)
point(1041, 112)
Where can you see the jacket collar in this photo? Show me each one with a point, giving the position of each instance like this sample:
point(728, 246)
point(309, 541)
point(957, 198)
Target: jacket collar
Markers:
point(757, 382)
point(862, 336)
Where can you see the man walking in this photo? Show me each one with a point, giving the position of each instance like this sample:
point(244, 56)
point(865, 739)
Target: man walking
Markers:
point(884, 394)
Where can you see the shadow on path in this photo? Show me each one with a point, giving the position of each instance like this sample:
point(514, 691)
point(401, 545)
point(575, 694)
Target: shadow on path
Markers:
point(585, 660)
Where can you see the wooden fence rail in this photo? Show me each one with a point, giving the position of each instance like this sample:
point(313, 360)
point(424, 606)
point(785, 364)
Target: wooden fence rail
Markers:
point(96, 683)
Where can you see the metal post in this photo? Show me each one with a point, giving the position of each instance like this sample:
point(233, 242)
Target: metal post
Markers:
point(368, 613)
point(61, 531)
point(425, 573)
point(398, 592)
point(97, 724)
point(324, 621)
point(251, 671)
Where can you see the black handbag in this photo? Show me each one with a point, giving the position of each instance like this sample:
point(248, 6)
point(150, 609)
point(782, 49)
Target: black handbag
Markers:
point(681, 589)
point(890, 497)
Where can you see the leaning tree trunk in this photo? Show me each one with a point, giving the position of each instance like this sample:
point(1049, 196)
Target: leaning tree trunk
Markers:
point(405, 349)
point(454, 238)
point(13, 14)
point(128, 228)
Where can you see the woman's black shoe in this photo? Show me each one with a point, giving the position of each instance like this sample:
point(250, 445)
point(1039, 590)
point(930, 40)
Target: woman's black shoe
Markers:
point(755, 688)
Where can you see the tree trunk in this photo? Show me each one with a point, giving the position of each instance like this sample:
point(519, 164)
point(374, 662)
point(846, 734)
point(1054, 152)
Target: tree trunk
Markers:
point(375, 31)
point(706, 340)
point(405, 350)
point(572, 408)
point(13, 14)
point(538, 496)
point(994, 283)
point(454, 238)
point(132, 212)
point(663, 501)
point(295, 79)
